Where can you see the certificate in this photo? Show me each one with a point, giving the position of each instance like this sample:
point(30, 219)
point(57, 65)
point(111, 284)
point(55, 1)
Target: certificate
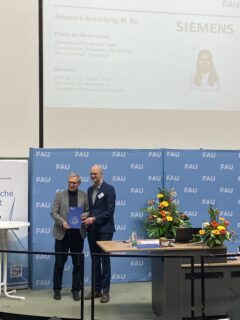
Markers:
point(74, 217)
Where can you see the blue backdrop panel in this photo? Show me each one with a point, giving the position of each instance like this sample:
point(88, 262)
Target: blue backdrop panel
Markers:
point(202, 178)
point(136, 176)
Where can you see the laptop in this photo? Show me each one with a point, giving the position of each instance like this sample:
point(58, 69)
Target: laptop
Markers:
point(184, 235)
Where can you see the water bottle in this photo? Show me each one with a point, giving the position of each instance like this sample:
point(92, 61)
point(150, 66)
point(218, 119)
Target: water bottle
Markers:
point(134, 237)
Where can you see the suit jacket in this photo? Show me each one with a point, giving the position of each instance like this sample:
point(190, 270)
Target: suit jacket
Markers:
point(60, 210)
point(103, 208)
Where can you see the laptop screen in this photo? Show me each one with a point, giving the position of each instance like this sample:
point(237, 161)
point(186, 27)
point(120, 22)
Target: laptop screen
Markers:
point(184, 235)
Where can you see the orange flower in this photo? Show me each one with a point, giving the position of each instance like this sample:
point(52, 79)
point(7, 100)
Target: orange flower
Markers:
point(227, 223)
point(214, 224)
point(223, 232)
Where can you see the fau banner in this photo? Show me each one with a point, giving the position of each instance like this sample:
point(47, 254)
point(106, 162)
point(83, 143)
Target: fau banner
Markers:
point(202, 178)
point(136, 176)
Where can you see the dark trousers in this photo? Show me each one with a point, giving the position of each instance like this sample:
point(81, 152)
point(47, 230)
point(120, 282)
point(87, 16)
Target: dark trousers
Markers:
point(72, 242)
point(102, 264)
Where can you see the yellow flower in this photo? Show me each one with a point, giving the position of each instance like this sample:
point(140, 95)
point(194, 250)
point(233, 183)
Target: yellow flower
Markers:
point(202, 232)
point(221, 228)
point(169, 218)
point(216, 232)
point(165, 204)
point(159, 195)
point(222, 219)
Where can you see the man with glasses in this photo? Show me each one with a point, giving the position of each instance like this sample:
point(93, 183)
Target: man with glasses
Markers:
point(67, 238)
point(101, 198)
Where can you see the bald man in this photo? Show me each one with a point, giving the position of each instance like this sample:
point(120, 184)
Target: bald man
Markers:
point(100, 223)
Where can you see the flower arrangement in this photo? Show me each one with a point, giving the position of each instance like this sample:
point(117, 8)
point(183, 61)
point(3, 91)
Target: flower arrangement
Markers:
point(163, 217)
point(215, 232)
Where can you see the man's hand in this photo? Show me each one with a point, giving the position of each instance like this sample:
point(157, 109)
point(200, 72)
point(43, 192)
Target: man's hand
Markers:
point(65, 225)
point(89, 221)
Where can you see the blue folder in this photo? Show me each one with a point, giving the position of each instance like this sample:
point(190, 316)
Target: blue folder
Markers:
point(74, 217)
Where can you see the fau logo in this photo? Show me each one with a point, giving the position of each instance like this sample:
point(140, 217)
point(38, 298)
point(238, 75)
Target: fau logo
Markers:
point(67, 267)
point(121, 203)
point(42, 257)
point(43, 179)
point(190, 190)
point(120, 227)
point(136, 214)
point(63, 166)
point(85, 179)
point(136, 190)
point(209, 201)
point(86, 254)
point(118, 154)
point(172, 177)
point(42, 154)
point(81, 154)
point(42, 205)
point(238, 225)
point(226, 190)
point(173, 154)
point(190, 166)
point(104, 166)
point(86, 279)
point(136, 166)
point(119, 178)
point(224, 166)
point(154, 178)
point(136, 263)
point(42, 283)
point(118, 276)
point(59, 190)
point(208, 178)
point(211, 155)
point(154, 154)
point(226, 213)
point(191, 213)
point(43, 230)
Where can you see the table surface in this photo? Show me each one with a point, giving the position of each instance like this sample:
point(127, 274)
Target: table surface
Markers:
point(13, 224)
point(124, 245)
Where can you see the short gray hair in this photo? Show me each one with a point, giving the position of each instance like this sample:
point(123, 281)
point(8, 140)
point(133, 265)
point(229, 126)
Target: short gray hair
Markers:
point(74, 174)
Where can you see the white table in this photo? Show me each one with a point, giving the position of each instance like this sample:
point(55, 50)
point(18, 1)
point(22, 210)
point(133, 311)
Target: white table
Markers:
point(5, 226)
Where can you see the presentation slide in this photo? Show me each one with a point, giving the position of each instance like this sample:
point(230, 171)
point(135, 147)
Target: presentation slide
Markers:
point(145, 54)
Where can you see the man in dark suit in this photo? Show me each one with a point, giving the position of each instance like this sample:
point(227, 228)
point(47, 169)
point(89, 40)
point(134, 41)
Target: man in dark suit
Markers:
point(100, 222)
point(67, 238)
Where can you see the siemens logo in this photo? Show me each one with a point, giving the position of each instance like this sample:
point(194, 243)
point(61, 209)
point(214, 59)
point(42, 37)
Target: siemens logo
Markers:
point(173, 154)
point(136, 166)
point(190, 190)
point(136, 263)
point(136, 214)
point(43, 179)
point(226, 213)
point(121, 203)
point(119, 276)
point(42, 257)
point(154, 178)
point(43, 205)
point(172, 177)
point(63, 166)
point(43, 230)
point(42, 154)
point(154, 154)
point(191, 213)
point(211, 155)
point(226, 190)
point(208, 178)
point(120, 227)
point(136, 190)
point(42, 283)
point(119, 178)
point(231, 4)
point(226, 166)
point(81, 154)
point(119, 154)
point(209, 202)
point(190, 166)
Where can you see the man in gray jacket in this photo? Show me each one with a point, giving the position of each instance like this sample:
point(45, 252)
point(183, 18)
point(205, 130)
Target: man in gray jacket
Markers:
point(68, 238)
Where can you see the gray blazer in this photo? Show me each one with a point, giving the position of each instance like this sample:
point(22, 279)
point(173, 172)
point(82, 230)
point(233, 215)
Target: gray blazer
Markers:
point(60, 210)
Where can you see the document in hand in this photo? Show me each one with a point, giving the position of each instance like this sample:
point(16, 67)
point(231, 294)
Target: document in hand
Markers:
point(74, 217)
